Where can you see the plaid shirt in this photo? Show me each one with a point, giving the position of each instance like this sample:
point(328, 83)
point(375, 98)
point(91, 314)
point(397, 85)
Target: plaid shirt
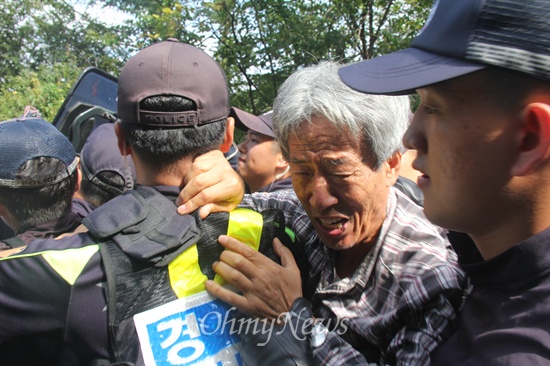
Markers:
point(400, 303)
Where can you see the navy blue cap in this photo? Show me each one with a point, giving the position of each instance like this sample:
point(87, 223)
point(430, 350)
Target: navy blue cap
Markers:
point(247, 121)
point(100, 154)
point(24, 139)
point(461, 37)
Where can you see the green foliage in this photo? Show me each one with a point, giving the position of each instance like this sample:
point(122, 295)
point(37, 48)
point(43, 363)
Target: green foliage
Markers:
point(376, 27)
point(260, 43)
point(45, 44)
point(36, 33)
point(44, 89)
point(155, 21)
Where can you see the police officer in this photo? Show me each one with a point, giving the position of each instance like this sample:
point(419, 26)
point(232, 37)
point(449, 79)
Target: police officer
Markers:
point(173, 106)
point(38, 177)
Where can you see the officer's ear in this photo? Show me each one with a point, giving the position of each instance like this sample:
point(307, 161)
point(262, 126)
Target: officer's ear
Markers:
point(78, 176)
point(2, 210)
point(228, 139)
point(533, 139)
point(6, 216)
point(281, 162)
point(123, 146)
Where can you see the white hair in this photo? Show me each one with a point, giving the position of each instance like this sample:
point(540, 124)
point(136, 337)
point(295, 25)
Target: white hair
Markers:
point(378, 120)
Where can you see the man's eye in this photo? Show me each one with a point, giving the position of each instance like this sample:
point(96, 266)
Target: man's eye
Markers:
point(428, 110)
point(300, 171)
point(342, 174)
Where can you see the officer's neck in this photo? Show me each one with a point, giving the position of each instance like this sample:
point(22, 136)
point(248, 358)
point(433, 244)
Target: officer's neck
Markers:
point(171, 175)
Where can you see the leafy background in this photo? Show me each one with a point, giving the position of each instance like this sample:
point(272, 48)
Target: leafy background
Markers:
point(46, 44)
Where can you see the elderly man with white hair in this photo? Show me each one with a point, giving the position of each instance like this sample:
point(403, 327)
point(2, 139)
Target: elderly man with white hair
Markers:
point(382, 285)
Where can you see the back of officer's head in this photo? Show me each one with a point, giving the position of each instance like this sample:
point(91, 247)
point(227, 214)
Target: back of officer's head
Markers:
point(37, 171)
point(173, 103)
point(105, 172)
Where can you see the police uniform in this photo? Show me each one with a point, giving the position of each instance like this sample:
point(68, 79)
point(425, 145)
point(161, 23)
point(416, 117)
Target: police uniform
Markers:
point(55, 291)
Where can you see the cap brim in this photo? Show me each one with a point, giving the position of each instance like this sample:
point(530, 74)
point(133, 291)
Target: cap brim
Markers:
point(404, 71)
point(247, 121)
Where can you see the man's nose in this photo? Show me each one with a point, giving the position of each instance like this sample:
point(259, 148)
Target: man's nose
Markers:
point(321, 196)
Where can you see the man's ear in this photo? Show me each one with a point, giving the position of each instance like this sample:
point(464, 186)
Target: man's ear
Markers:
point(392, 166)
point(228, 139)
point(533, 139)
point(123, 146)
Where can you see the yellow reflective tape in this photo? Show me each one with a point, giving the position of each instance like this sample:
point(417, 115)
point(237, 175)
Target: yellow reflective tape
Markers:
point(185, 274)
point(245, 225)
point(69, 263)
point(184, 271)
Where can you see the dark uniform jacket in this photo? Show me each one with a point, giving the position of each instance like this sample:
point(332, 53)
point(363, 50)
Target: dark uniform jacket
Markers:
point(53, 295)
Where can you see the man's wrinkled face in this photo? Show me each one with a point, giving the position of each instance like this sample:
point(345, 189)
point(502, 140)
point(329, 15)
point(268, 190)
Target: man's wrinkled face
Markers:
point(344, 197)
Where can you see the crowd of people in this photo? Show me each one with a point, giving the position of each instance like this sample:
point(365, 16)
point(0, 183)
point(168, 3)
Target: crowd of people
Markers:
point(320, 229)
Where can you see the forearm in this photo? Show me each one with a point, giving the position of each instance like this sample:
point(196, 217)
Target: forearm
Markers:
point(300, 340)
point(415, 342)
point(335, 351)
point(282, 344)
point(296, 217)
point(284, 200)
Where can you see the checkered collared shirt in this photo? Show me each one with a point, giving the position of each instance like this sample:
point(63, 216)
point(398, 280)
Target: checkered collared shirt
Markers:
point(401, 302)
